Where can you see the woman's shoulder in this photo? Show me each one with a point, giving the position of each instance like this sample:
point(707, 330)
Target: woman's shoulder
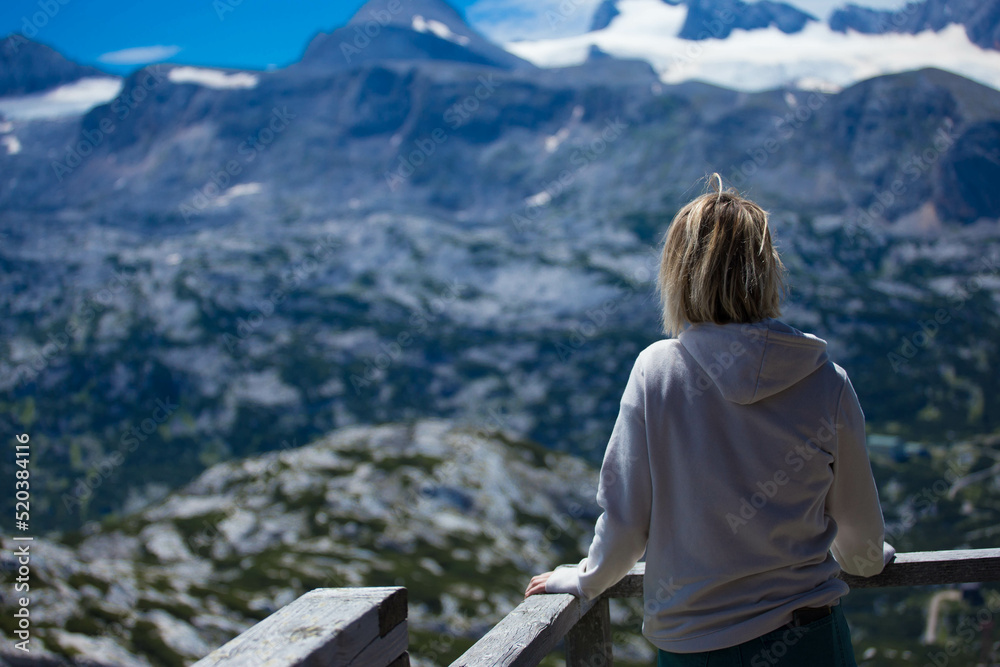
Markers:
point(661, 348)
point(659, 353)
point(834, 373)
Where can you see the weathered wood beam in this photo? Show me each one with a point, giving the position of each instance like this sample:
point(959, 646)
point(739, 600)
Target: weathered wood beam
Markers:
point(528, 633)
point(630, 585)
point(919, 568)
point(926, 568)
point(326, 626)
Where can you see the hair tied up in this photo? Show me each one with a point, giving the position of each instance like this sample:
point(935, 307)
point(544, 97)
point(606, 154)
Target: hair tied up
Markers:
point(718, 262)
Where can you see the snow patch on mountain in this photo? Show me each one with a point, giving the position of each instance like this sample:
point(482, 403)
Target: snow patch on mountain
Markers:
point(420, 24)
point(238, 190)
point(11, 143)
point(213, 78)
point(9, 140)
point(816, 57)
point(552, 142)
point(67, 100)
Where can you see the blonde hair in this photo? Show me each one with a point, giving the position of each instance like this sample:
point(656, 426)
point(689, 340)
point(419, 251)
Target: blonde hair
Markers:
point(718, 263)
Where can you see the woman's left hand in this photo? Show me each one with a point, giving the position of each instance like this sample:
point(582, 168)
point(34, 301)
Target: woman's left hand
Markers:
point(537, 584)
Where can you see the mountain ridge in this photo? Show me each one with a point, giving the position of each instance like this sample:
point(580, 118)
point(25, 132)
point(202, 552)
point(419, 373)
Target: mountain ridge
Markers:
point(716, 19)
point(981, 19)
point(765, 45)
point(27, 66)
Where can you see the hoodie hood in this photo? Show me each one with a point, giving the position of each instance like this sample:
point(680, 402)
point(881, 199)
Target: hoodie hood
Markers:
point(749, 362)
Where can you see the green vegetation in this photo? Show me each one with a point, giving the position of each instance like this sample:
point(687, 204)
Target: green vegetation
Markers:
point(80, 579)
point(146, 640)
point(85, 625)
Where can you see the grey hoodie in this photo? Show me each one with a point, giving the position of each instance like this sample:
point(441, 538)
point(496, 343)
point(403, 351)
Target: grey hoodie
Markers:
point(738, 465)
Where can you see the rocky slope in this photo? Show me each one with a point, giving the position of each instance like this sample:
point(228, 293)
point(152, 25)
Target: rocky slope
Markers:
point(460, 516)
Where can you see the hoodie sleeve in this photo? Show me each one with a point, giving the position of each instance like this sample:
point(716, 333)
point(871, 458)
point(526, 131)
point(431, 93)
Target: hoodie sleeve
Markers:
point(852, 501)
point(625, 495)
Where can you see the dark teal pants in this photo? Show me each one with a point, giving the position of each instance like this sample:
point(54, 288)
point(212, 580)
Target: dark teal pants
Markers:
point(822, 643)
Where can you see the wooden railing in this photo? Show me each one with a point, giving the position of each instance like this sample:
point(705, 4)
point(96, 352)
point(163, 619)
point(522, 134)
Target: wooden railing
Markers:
point(345, 627)
point(537, 625)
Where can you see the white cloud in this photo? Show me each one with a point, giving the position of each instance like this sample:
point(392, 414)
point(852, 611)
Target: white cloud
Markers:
point(139, 55)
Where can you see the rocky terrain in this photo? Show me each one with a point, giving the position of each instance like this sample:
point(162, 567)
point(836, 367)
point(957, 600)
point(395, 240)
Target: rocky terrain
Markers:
point(459, 515)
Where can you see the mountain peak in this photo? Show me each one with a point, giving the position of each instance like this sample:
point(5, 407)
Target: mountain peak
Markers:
point(407, 31)
point(718, 18)
point(27, 67)
point(402, 14)
point(604, 14)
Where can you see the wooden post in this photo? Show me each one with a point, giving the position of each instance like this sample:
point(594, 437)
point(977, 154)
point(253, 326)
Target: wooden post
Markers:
point(339, 627)
point(588, 643)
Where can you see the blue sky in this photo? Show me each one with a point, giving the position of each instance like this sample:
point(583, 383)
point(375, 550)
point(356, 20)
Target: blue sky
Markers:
point(254, 34)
